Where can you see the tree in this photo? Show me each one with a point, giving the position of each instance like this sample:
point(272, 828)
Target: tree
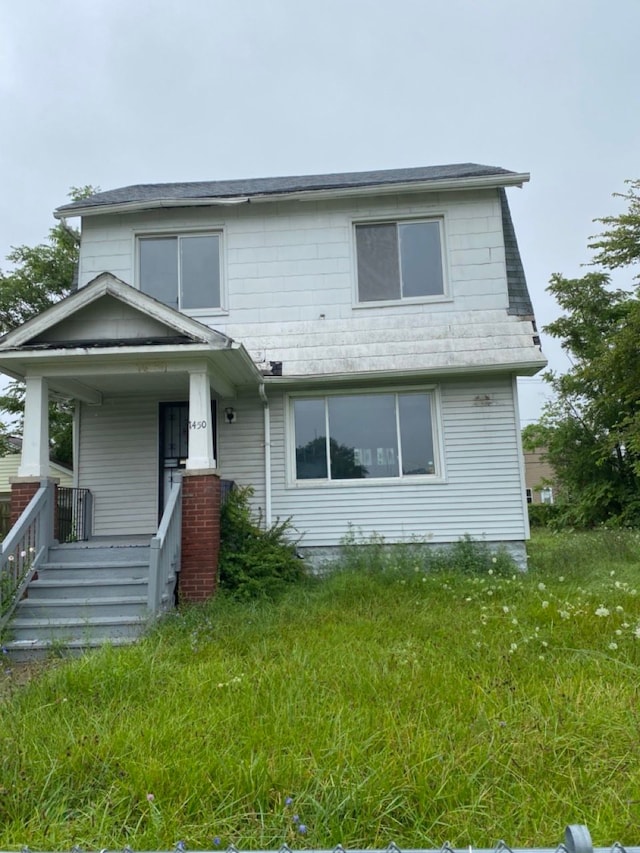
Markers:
point(40, 277)
point(591, 430)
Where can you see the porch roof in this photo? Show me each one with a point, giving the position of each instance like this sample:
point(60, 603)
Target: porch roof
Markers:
point(109, 338)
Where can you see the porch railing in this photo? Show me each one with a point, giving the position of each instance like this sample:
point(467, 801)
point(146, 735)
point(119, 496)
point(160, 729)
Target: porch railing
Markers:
point(164, 563)
point(24, 548)
point(75, 509)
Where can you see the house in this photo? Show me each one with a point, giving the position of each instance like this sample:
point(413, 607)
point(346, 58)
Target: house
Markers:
point(539, 477)
point(347, 344)
point(9, 469)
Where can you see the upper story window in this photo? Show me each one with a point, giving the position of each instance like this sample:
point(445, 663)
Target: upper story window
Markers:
point(399, 260)
point(181, 271)
point(362, 436)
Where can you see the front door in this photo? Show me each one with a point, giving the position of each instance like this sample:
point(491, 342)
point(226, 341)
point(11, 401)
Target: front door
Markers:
point(174, 445)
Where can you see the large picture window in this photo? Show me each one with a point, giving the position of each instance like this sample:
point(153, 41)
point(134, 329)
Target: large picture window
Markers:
point(181, 271)
point(399, 260)
point(362, 436)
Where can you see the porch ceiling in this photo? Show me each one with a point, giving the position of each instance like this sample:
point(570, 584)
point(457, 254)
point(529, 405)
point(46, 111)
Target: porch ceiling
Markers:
point(89, 374)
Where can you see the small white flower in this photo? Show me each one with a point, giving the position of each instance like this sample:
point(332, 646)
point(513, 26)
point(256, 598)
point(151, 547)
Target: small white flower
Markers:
point(545, 644)
point(563, 614)
point(505, 608)
point(494, 559)
point(613, 646)
point(490, 572)
point(513, 648)
point(619, 609)
point(545, 604)
point(542, 587)
point(602, 611)
point(636, 632)
point(11, 558)
point(23, 554)
point(618, 632)
point(514, 621)
point(611, 574)
point(561, 578)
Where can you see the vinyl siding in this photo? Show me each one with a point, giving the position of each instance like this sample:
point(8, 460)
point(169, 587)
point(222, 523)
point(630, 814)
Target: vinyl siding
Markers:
point(118, 450)
point(481, 495)
point(241, 445)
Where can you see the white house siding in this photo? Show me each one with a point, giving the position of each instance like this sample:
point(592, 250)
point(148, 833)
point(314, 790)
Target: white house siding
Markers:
point(118, 462)
point(481, 495)
point(119, 458)
point(290, 281)
point(241, 445)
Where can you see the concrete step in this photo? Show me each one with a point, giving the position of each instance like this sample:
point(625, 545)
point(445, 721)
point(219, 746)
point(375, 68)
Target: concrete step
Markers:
point(78, 571)
point(90, 554)
point(49, 586)
point(74, 629)
point(87, 609)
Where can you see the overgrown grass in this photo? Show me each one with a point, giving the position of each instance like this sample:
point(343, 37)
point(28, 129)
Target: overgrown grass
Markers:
point(387, 703)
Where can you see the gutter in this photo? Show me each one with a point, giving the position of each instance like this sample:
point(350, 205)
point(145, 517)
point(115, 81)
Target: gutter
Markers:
point(267, 456)
point(517, 179)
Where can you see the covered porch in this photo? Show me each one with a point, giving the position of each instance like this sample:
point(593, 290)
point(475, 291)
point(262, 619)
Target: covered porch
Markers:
point(128, 360)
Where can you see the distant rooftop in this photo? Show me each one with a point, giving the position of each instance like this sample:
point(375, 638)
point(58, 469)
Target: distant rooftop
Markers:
point(141, 196)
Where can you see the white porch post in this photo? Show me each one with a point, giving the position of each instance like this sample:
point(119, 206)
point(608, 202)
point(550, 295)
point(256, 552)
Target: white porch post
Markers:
point(200, 426)
point(35, 437)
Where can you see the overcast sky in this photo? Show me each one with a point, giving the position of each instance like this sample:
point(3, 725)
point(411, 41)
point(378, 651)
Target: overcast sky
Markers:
point(117, 92)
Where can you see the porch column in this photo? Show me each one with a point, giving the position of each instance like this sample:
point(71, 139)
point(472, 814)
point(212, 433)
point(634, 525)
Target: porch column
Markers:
point(200, 426)
point(200, 498)
point(34, 461)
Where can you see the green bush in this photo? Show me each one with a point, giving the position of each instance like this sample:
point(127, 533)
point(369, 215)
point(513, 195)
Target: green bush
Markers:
point(255, 562)
point(545, 515)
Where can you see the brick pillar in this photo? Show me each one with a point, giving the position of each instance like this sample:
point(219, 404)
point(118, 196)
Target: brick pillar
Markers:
point(200, 534)
point(22, 490)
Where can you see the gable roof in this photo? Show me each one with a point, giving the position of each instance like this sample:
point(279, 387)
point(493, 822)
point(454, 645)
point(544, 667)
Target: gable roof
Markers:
point(145, 196)
point(173, 325)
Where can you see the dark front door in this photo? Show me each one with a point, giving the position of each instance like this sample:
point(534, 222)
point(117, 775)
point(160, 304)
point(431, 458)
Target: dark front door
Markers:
point(174, 446)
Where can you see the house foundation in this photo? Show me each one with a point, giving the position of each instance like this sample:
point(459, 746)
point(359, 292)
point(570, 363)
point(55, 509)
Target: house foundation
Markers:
point(200, 534)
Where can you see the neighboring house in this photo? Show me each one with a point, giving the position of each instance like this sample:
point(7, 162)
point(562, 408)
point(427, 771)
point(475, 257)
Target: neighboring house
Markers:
point(9, 464)
point(539, 477)
point(346, 344)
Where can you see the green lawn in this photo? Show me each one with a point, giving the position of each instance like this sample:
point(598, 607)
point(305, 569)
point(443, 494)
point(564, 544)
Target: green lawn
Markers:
point(387, 705)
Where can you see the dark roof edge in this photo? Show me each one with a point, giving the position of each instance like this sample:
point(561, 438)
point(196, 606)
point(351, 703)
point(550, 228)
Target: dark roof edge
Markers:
point(520, 304)
point(432, 178)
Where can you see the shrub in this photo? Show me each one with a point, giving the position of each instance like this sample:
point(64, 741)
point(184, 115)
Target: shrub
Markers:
point(545, 515)
point(255, 561)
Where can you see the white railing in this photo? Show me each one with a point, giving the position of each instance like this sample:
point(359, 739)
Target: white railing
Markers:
point(164, 562)
point(24, 548)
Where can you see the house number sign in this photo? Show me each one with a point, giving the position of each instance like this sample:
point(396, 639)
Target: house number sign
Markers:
point(197, 424)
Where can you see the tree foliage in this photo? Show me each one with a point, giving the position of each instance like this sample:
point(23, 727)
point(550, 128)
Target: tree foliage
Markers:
point(591, 429)
point(40, 276)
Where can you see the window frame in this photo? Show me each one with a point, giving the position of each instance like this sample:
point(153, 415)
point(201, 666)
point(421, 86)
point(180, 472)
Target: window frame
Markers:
point(166, 233)
point(407, 219)
point(438, 477)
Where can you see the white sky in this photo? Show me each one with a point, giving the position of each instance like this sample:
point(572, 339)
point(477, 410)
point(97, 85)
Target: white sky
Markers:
point(116, 92)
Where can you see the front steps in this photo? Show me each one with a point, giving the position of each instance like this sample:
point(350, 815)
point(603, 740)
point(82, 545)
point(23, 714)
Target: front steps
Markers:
point(85, 595)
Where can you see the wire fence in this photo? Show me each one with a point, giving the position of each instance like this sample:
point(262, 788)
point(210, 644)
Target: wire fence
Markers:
point(577, 839)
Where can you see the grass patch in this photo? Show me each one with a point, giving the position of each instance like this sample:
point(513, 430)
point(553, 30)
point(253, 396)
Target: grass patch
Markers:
point(379, 704)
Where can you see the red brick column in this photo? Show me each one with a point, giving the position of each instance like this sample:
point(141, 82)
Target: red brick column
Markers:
point(200, 535)
point(21, 493)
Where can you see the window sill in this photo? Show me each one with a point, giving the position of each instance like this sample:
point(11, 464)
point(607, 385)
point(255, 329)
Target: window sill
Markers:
point(417, 300)
point(369, 482)
point(205, 312)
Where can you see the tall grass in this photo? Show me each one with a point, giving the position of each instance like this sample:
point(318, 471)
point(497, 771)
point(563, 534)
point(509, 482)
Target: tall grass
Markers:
point(383, 703)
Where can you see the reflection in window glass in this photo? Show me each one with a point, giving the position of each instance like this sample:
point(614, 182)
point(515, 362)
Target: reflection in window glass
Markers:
point(367, 424)
point(311, 443)
point(159, 269)
point(199, 272)
point(182, 272)
point(369, 436)
point(416, 434)
point(421, 258)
